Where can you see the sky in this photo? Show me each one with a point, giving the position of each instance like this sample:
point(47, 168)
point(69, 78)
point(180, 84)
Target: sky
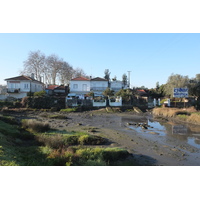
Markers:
point(150, 57)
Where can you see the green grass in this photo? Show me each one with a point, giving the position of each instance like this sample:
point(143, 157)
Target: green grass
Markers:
point(69, 110)
point(62, 138)
point(8, 129)
point(18, 150)
point(8, 119)
point(22, 148)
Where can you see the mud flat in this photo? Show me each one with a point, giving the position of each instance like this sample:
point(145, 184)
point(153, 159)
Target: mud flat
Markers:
point(149, 147)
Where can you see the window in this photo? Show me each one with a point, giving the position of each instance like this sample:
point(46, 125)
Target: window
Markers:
point(26, 86)
point(84, 87)
point(75, 86)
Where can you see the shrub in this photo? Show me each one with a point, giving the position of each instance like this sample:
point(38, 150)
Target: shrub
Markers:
point(114, 154)
point(194, 118)
point(39, 94)
point(17, 104)
point(35, 126)
point(91, 140)
point(54, 141)
point(101, 156)
point(72, 140)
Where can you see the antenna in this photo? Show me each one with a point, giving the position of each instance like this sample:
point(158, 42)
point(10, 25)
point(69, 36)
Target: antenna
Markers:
point(129, 79)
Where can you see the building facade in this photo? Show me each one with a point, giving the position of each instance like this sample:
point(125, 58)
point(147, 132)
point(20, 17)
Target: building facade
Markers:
point(79, 87)
point(19, 86)
point(98, 85)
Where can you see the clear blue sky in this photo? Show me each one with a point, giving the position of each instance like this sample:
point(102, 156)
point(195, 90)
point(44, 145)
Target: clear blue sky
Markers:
point(151, 57)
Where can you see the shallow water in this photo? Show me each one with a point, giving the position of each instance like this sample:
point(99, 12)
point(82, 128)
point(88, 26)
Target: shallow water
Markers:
point(189, 134)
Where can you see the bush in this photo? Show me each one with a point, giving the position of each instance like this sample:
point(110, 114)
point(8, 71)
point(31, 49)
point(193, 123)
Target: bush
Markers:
point(42, 102)
point(114, 154)
point(39, 94)
point(91, 140)
point(53, 141)
point(101, 156)
point(35, 126)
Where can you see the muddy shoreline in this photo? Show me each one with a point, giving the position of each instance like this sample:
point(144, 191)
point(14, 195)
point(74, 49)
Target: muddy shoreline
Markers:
point(148, 149)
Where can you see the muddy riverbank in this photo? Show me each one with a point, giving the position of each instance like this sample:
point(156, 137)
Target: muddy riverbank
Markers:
point(151, 147)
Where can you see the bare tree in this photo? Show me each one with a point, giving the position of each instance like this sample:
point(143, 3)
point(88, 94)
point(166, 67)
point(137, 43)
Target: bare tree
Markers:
point(54, 65)
point(52, 68)
point(79, 72)
point(65, 73)
point(34, 64)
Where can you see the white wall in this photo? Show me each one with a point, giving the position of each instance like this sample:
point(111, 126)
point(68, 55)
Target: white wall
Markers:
point(99, 85)
point(116, 85)
point(81, 86)
point(118, 102)
point(36, 87)
point(99, 104)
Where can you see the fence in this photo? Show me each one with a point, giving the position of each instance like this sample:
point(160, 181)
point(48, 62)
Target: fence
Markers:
point(99, 103)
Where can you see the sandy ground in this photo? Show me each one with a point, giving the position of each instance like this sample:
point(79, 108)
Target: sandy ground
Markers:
point(147, 148)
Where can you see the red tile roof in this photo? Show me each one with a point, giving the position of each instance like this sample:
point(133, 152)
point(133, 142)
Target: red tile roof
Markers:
point(19, 78)
point(80, 79)
point(51, 87)
point(60, 87)
point(141, 91)
point(22, 78)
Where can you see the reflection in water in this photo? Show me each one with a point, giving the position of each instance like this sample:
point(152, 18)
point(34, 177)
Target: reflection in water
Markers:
point(187, 133)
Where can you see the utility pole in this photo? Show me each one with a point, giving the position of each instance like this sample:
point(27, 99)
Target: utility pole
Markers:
point(129, 79)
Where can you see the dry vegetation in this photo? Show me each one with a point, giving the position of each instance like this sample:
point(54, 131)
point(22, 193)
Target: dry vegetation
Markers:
point(189, 115)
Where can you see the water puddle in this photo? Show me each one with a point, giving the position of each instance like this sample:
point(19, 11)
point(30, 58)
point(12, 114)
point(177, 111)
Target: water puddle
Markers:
point(179, 132)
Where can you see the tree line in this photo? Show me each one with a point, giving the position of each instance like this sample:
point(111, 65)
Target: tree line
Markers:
point(177, 81)
point(53, 69)
point(50, 69)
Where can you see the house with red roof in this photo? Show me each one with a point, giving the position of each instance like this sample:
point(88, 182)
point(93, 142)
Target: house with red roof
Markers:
point(79, 86)
point(98, 85)
point(57, 90)
point(19, 86)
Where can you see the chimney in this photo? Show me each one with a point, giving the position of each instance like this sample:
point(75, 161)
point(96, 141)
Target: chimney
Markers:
point(32, 76)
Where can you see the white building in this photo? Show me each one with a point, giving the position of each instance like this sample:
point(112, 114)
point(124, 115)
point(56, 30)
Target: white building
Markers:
point(116, 85)
point(79, 86)
point(98, 85)
point(19, 86)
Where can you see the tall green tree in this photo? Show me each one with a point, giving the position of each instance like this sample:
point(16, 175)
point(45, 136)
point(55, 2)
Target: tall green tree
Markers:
point(124, 80)
point(175, 81)
point(107, 74)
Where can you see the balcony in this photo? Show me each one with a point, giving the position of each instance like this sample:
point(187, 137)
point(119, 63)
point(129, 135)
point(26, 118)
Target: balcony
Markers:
point(13, 90)
point(100, 89)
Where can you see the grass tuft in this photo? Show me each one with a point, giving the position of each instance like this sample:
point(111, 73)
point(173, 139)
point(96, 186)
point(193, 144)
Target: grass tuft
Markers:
point(35, 126)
